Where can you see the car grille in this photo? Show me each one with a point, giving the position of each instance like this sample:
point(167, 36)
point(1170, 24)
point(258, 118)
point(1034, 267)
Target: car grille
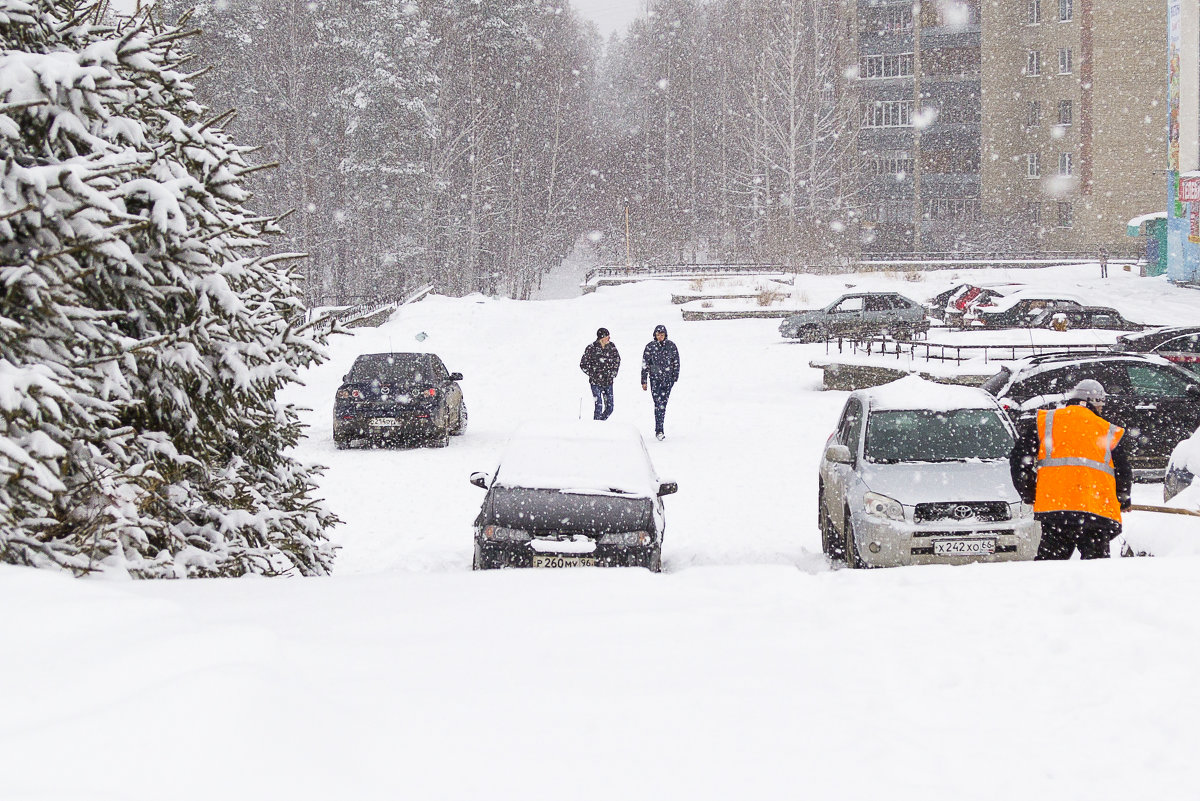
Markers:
point(981, 511)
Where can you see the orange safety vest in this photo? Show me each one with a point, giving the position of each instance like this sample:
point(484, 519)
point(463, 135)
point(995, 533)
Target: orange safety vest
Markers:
point(1075, 466)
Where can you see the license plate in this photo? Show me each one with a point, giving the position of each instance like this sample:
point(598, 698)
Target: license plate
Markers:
point(553, 560)
point(385, 422)
point(964, 547)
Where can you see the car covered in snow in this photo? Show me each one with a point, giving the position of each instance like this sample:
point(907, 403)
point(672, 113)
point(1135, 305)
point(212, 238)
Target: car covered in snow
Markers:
point(1182, 467)
point(917, 473)
point(1102, 318)
point(860, 314)
point(1156, 402)
point(577, 494)
point(1017, 310)
point(950, 306)
point(1177, 343)
point(398, 397)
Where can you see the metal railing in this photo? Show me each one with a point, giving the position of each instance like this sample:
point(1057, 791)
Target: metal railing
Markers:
point(944, 352)
point(348, 314)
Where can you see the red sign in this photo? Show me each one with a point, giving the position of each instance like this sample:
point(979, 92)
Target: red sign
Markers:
point(1189, 190)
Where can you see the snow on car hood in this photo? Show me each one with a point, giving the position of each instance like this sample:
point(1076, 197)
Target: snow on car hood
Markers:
point(911, 483)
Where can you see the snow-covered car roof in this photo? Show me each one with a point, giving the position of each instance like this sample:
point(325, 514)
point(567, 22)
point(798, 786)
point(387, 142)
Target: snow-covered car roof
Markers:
point(585, 457)
point(1006, 302)
point(914, 392)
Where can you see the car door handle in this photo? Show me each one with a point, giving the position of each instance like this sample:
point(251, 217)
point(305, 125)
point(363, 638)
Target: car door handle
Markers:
point(1145, 408)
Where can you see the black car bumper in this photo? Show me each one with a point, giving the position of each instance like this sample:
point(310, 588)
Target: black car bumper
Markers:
point(492, 556)
point(380, 425)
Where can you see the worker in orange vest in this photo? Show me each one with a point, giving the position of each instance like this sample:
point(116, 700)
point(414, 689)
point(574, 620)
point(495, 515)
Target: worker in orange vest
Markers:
point(1073, 468)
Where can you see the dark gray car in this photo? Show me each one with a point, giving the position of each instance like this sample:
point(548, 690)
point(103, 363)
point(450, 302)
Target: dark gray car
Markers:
point(861, 314)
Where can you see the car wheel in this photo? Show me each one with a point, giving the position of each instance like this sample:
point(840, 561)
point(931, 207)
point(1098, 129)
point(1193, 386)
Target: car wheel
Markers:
point(809, 333)
point(656, 561)
point(439, 440)
point(462, 420)
point(853, 560)
point(341, 443)
point(477, 560)
point(831, 545)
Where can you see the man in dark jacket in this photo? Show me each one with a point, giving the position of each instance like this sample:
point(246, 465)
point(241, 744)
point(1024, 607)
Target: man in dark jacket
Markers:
point(600, 363)
point(1072, 467)
point(660, 365)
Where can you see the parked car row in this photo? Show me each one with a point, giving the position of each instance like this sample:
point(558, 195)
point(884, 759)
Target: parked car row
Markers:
point(868, 314)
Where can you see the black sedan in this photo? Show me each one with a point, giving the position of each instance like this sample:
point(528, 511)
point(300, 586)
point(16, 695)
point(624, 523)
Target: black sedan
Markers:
point(1156, 402)
point(398, 397)
point(572, 495)
point(1095, 317)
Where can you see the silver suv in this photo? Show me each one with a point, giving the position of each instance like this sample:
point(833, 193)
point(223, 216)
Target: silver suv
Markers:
point(861, 314)
point(917, 473)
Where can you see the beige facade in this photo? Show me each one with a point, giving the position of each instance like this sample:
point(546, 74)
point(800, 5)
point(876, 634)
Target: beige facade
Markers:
point(1073, 121)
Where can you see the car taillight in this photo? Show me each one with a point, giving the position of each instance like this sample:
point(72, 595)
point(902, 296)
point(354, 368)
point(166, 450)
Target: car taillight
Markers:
point(431, 392)
point(349, 393)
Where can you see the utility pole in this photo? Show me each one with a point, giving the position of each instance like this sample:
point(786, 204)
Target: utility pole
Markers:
point(628, 261)
point(912, 120)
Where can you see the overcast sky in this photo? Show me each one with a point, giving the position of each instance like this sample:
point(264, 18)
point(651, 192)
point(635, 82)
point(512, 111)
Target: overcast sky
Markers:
point(610, 16)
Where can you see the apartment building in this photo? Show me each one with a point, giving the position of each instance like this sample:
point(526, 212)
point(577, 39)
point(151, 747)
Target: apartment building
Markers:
point(1073, 119)
point(919, 140)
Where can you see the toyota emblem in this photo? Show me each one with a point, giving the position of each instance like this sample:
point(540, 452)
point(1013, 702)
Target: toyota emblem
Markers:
point(962, 512)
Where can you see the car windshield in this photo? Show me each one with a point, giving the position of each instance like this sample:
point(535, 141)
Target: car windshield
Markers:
point(923, 435)
point(390, 371)
point(553, 510)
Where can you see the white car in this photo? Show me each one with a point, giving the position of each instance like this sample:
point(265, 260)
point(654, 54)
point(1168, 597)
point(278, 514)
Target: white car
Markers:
point(917, 473)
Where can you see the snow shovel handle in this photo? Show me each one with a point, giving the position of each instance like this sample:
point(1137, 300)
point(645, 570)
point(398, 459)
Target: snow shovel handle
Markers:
point(1142, 507)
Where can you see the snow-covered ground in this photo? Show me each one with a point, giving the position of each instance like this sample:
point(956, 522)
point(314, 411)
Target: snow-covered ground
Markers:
point(750, 668)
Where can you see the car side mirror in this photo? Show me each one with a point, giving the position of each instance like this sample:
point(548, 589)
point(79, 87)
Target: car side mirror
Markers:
point(346, 378)
point(1193, 390)
point(667, 488)
point(480, 480)
point(456, 377)
point(838, 454)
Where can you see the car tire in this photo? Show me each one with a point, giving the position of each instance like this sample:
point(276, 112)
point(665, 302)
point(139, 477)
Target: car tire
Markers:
point(477, 560)
point(440, 439)
point(853, 560)
point(341, 443)
point(809, 333)
point(462, 420)
point(656, 560)
point(831, 545)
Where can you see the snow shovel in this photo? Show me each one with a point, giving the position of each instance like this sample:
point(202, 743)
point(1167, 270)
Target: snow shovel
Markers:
point(1126, 550)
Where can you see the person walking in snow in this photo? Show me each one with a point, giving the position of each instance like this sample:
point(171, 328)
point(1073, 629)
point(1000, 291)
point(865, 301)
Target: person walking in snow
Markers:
point(600, 363)
point(660, 366)
point(1071, 465)
point(1103, 262)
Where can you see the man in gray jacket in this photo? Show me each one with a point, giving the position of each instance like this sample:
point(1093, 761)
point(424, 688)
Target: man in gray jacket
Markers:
point(660, 366)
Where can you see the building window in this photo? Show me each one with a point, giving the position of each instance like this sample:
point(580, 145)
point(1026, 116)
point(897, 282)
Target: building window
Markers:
point(1034, 119)
point(1033, 62)
point(897, 19)
point(945, 208)
point(1035, 12)
point(1065, 164)
point(1066, 11)
point(1034, 210)
point(888, 162)
point(889, 114)
point(893, 212)
point(1033, 165)
point(892, 66)
point(1064, 215)
point(1064, 61)
point(1064, 112)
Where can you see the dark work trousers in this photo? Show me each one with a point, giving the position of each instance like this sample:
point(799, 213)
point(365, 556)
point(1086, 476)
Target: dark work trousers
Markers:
point(604, 401)
point(1063, 532)
point(660, 393)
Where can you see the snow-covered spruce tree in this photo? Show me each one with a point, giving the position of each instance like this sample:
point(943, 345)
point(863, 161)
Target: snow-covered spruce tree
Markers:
point(144, 332)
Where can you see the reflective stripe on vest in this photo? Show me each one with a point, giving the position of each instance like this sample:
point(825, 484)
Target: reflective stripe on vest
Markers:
point(1077, 461)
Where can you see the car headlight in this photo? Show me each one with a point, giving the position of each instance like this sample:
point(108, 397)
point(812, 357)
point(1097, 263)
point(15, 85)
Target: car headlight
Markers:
point(883, 506)
point(501, 534)
point(626, 538)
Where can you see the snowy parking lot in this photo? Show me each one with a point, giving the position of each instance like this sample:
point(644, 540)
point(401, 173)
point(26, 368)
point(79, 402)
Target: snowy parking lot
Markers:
point(750, 668)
